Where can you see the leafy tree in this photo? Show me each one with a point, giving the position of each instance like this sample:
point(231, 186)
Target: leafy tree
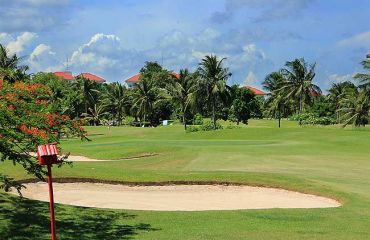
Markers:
point(183, 92)
point(243, 102)
point(26, 121)
point(214, 76)
point(298, 82)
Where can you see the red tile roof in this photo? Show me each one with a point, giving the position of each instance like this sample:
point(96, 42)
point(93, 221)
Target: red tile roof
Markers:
point(254, 90)
point(368, 55)
point(91, 77)
point(136, 78)
point(64, 75)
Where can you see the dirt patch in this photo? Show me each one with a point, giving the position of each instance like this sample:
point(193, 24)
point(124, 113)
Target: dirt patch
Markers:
point(175, 197)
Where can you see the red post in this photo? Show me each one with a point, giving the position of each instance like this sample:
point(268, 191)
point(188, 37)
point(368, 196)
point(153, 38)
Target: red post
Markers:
point(51, 196)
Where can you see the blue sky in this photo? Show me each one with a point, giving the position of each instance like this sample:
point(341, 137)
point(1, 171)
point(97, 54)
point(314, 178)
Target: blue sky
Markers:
point(114, 38)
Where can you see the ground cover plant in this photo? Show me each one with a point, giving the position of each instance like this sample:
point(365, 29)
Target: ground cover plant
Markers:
point(328, 161)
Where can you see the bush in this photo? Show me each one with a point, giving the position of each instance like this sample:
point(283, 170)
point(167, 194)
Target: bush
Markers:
point(232, 127)
point(190, 129)
point(208, 126)
point(312, 119)
point(198, 119)
point(128, 121)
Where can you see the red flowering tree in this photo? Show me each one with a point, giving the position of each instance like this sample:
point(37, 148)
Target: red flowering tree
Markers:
point(26, 121)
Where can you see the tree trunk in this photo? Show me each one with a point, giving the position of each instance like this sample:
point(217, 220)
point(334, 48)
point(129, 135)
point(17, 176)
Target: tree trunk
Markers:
point(184, 120)
point(279, 121)
point(214, 112)
point(237, 122)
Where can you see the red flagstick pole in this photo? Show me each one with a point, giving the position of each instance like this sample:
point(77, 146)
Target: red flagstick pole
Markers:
point(51, 196)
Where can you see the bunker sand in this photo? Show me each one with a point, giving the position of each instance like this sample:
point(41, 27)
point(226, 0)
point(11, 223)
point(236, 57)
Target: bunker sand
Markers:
point(175, 197)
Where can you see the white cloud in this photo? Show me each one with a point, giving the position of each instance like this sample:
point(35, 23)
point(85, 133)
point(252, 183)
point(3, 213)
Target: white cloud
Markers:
point(22, 40)
point(362, 39)
point(43, 58)
point(340, 78)
point(251, 79)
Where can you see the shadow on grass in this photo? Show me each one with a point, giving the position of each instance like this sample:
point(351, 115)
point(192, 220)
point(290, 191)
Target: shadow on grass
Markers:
point(26, 219)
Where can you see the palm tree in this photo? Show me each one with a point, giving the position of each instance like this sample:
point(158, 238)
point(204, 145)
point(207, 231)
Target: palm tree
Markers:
point(355, 108)
point(115, 99)
point(299, 76)
point(96, 114)
point(88, 90)
point(337, 92)
point(364, 78)
point(10, 70)
point(182, 91)
point(145, 96)
point(276, 100)
point(214, 76)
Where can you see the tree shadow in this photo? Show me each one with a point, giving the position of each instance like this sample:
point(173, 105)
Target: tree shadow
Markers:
point(28, 219)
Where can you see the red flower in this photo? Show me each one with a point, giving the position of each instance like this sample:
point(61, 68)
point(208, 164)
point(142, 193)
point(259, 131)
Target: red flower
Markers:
point(11, 107)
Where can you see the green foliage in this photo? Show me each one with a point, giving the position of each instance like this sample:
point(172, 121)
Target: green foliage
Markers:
point(243, 104)
point(312, 119)
point(209, 126)
point(198, 119)
point(128, 121)
point(27, 120)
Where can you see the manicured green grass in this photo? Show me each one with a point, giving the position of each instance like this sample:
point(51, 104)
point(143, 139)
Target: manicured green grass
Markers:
point(329, 161)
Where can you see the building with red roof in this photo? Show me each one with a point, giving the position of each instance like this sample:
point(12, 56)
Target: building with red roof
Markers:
point(368, 55)
point(91, 77)
point(132, 81)
point(254, 90)
point(64, 75)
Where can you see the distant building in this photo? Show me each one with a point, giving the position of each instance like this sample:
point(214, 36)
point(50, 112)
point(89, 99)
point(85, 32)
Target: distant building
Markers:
point(69, 77)
point(65, 75)
point(254, 90)
point(91, 77)
point(132, 81)
point(368, 55)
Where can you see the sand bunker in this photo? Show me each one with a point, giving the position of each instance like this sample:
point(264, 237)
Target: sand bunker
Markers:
point(175, 197)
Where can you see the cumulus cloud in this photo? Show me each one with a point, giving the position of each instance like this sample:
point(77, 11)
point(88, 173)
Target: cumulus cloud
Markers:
point(17, 45)
point(43, 58)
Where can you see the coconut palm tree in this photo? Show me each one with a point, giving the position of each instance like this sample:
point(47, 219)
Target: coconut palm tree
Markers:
point(276, 100)
point(145, 95)
point(299, 76)
point(115, 100)
point(10, 68)
point(183, 91)
point(337, 92)
point(355, 108)
point(88, 90)
point(364, 78)
point(96, 114)
point(214, 77)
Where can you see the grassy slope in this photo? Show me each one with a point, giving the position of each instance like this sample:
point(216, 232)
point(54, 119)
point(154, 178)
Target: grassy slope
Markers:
point(328, 161)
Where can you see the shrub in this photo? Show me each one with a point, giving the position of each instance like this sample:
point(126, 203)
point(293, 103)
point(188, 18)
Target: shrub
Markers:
point(190, 129)
point(198, 119)
point(129, 120)
point(312, 119)
point(208, 126)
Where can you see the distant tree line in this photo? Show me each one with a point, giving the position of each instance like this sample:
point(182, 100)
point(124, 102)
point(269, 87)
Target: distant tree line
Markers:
point(292, 94)
point(161, 95)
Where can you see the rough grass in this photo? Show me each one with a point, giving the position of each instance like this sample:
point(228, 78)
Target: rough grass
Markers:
point(328, 161)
